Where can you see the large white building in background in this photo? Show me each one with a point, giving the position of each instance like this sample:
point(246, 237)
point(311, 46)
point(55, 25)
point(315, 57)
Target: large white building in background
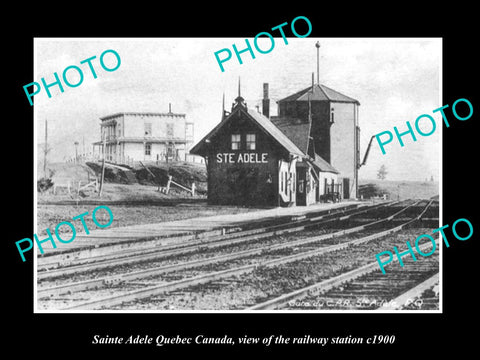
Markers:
point(137, 136)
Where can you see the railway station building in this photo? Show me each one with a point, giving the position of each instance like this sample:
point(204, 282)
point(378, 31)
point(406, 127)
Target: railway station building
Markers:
point(306, 154)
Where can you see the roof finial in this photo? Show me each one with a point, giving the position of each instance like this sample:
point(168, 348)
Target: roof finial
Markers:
point(240, 100)
point(317, 45)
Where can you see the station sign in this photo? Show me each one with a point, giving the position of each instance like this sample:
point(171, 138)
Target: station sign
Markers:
point(236, 158)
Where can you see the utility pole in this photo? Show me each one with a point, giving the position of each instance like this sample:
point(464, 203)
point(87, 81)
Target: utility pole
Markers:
point(103, 165)
point(45, 151)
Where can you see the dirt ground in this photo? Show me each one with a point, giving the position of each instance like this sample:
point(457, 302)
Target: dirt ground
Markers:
point(130, 205)
point(124, 215)
point(111, 193)
point(143, 204)
point(402, 190)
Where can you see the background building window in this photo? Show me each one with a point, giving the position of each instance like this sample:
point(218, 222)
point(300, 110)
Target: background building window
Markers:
point(251, 142)
point(148, 129)
point(169, 130)
point(148, 149)
point(235, 141)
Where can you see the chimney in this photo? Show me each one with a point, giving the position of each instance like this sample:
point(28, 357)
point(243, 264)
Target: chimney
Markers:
point(265, 101)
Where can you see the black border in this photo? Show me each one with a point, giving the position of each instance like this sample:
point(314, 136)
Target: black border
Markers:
point(61, 335)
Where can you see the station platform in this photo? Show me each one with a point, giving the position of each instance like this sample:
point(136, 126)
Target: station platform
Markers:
point(173, 231)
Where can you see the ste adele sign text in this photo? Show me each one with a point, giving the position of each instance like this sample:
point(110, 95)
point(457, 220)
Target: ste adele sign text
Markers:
point(233, 158)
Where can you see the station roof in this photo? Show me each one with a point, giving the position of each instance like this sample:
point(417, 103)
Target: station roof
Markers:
point(263, 122)
point(296, 130)
point(323, 165)
point(320, 93)
point(276, 133)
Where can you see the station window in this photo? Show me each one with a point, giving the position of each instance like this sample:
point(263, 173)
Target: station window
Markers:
point(236, 141)
point(251, 142)
point(148, 149)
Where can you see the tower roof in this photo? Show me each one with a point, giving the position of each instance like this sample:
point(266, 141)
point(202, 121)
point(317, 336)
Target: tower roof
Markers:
point(320, 93)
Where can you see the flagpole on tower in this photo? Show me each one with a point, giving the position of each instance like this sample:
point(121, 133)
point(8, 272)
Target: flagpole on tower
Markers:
point(317, 45)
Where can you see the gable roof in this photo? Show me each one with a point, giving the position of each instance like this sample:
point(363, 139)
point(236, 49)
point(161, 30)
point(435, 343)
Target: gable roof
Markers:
point(276, 133)
point(299, 132)
point(320, 93)
point(262, 121)
point(296, 130)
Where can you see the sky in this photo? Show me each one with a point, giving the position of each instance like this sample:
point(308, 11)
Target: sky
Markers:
point(394, 79)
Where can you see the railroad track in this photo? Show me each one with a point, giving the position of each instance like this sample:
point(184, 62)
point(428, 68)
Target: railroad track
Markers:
point(156, 253)
point(149, 245)
point(425, 297)
point(184, 250)
point(162, 287)
point(364, 288)
point(243, 290)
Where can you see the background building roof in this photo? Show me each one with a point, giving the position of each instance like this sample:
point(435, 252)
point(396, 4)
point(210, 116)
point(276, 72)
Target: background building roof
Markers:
point(141, 114)
point(320, 93)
